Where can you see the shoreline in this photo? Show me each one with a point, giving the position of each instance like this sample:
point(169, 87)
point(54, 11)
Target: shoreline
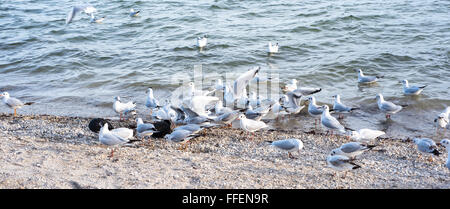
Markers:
point(45, 151)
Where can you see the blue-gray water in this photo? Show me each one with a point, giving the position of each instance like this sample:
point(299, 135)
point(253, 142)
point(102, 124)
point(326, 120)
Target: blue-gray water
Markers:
point(77, 69)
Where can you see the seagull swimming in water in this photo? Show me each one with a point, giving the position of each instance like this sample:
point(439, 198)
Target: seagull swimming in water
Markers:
point(13, 103)
point(134, 13)
point(366, 79)
point(95, 19)
point(202, 41)
point(411, 90)
point(273, 48)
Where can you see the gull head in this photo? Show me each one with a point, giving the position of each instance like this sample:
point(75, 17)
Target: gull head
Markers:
point(4, 94)
point(445, 143)
point(359, 71)
point(379, 97)
point(334, 152)
point(416, 140)
point(149, 90)
point(404, 82)
point(241, 116)
point(139, 121)
point(117, 98)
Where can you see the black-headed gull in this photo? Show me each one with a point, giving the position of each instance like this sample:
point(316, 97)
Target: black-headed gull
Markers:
point(314, 110)
point(289, 145)
point(427, 146)
point(292, 106)
point(114, 137)
point(134, 13)
point(442, 120)
point(273, 48)
point(250, 125)
point(341, 163)
point(123, 108)
point(180, 136)
point(330, 122)
point(202, 41)
point(291, 86)
point(144, 129)
point(411, 90)
point(366, 79)
point(86, 9)
point(365, 134)
point(13, 103)
point(242, 81)
point(446, 144)
point(386, 106)
point(351, 149)
point(341, 108)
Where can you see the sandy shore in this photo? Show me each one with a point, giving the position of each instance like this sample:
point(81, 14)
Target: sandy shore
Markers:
point(40, 151)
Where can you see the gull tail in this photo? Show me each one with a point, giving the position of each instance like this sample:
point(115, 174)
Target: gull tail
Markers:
point(356, 166)
point(379, 76)
point(370, 147)
point(422, 87)
point(436, 152)
point(317, 91)
point(354, 108)
point(29, 103)
point(133, 140)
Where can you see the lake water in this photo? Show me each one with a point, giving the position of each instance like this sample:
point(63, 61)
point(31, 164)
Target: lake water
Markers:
point(77, 69)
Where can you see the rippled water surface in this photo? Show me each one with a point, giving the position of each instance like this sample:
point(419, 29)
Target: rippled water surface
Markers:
point(77, 69)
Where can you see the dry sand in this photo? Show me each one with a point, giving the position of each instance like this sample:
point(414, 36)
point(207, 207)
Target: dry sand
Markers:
point(40, 151)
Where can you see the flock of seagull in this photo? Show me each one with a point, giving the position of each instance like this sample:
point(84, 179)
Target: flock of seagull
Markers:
point(200, 110)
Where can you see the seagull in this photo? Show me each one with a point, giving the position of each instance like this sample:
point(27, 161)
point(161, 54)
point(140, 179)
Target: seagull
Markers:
point(314, 110)
point(227, 118)
point(123, 108)
point(219, 109)
point(114, 137)
point(193, 117)
point(13, 102)
point(292, 106)
point(194, 92)
point(193, 128)
point(365, 134)
point(446, 143)
point(442, 120)
point(144, 129)
point(250, 125)
point(134, 13)
point(341, 163)
point(411, 90)
point(95, 19)
point(330, 122)
point(289, 145)
point(76, 9)
point(341, 108)
point(202, 41)
point(277, 108)
point(151, 102)
point(427, 146)
point(366, 79)
point(180, 136)
point(242, 81)
point(387, 107)
point(351, 149)
point(96, 124)
point(198, 104)
point(291, 86)
point(273, 48)
point(306, 91)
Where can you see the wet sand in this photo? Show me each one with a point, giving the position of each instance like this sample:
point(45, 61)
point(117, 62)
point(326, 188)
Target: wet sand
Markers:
point(42, 151)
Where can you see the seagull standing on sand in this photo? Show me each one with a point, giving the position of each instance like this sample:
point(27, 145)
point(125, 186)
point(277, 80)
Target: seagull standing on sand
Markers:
point(341, 108)
point(273, 48)
point(13, 102)
point(250, 125)
point(134, 13)
point(351, 149)
point(442, 120)
point(411, 90)
point(341, 163)
point(114, 137)
point(86, 9)
point(366, 79)
point(365, 134)
point(289, 145)
point(427, 146)
point(386, 106)
point(330, 122)
point(202, 41)
point(123, 108)
point(446, 144)
point(180, 136)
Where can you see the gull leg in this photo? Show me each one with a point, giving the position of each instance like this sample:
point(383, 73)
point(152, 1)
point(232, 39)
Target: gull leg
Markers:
point(15, 113)
point(112, 153)
point(430, 159)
